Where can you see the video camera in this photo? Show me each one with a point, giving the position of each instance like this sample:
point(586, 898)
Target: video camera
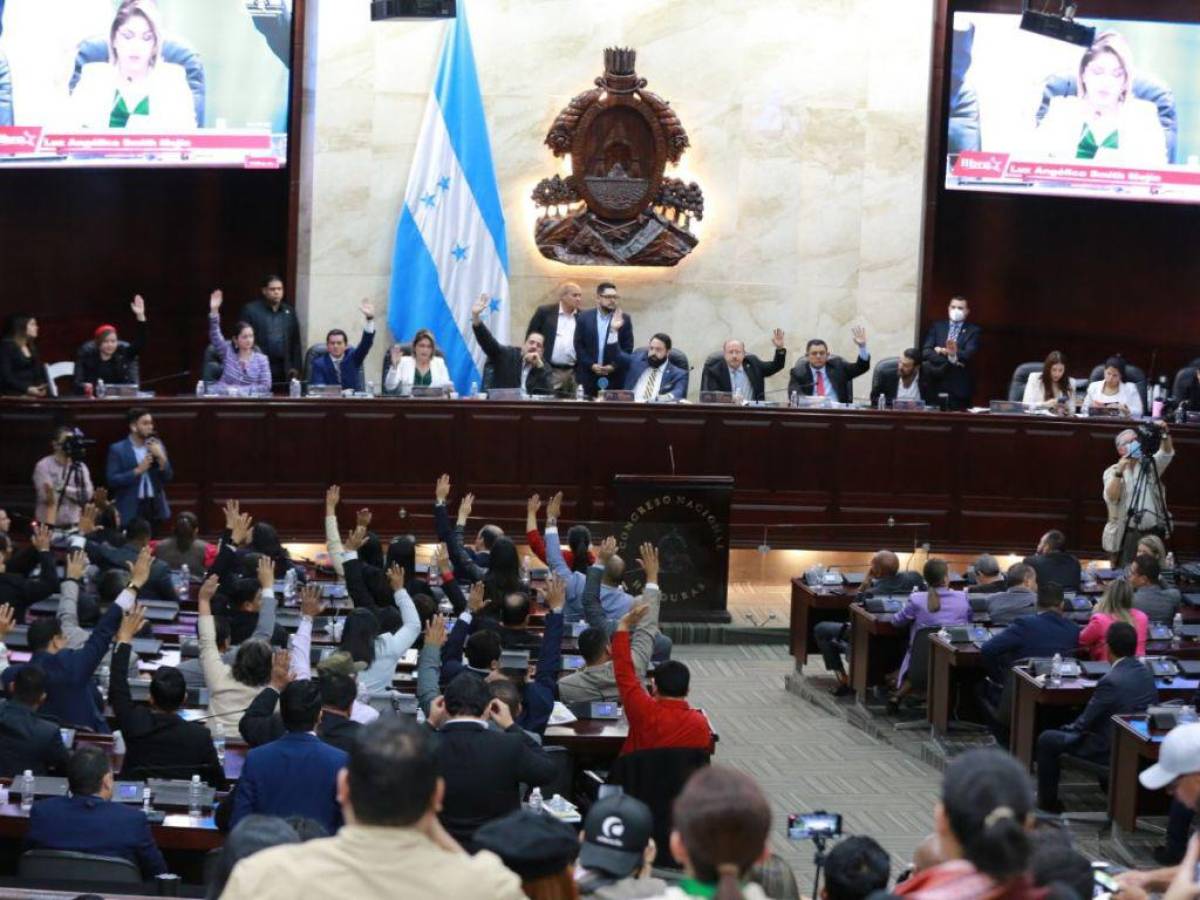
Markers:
point(1150, 436)
point(75, 445)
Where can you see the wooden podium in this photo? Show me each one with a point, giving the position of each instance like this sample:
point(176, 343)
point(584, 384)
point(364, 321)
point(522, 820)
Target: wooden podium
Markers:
point(687, 519)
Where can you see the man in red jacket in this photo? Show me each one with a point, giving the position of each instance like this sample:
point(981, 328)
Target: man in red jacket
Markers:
point(663, 719)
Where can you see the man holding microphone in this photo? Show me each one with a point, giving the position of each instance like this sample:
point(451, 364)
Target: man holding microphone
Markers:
point(138, 470)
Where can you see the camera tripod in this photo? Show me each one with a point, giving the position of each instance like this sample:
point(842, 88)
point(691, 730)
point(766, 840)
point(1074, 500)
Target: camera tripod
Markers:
point(1147, 490)
point(75, 476)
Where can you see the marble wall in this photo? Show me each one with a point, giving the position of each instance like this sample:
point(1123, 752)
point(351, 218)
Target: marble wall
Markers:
point(807, 124)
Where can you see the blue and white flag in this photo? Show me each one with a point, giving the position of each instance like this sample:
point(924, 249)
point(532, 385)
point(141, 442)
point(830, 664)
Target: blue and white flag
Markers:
point(450, 244)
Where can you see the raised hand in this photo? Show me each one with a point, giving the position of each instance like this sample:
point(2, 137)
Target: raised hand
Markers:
point(100, 498)
point(140, 569)
point(618, 319)
point(363, 518)
point(396, 354)
point(395, 577)
point(630, 620)
point(556, 593)
point(443, 559)
point(333, 496)
point(356, 539)
point(208, 590)
point(266, 572)
point(475, 598)
point(281, 670)
point(139, 307)
point(41, 538)
point(435, 631)
point(242, 529)
point(464, 508)
point(554, 507)
point(859, 333)
point(478, 307)
point(499, 713)
point(87, 519)
point(311, 602)
point(442, 489)
point(131, 624)
point(215, 299)
point(777, 337)
point(76, 565)
point(7, 620)
point(607, 549)
point(367, 308)
point(532, 505)
point(231, 514)
point(649, 561)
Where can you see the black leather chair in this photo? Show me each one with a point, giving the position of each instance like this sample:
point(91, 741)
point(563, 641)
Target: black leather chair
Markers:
point(69, 866)
point(489, 375)
point(656, 777)
point(679, 358)
point(1132, 374)
point(1020, 378)
point(212, 366)
point(1183, 378)
point(885, 367)
point(1194, 364)
point(312, 353)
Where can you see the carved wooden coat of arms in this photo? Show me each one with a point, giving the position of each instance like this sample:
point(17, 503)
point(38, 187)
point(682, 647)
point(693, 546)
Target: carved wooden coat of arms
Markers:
point(616, 208)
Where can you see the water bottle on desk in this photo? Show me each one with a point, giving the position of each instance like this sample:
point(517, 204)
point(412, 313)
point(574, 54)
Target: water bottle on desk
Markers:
point(535, 799)
point(184, 585)
point(195, 798)
point(27, 790)
point(525, 561)
point(146, 807)
point(219, 742)
point(1177, 625)
point(200, 388)
point(289, 585)
point(294, 388)
point(881, 403)
point(101, 390)
point(1056, 666)
point(474, 390)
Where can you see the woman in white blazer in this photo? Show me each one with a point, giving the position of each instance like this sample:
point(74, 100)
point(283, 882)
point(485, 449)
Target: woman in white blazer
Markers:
point(1061, 388)
point(423, 368)
point(1115, 391)
point(135, 89)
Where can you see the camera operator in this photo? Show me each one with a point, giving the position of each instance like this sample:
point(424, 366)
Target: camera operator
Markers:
point(137, 472)
point(1131, 517)
point(62, 478)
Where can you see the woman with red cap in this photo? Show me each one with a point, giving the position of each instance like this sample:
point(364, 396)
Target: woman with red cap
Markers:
point(106, 359)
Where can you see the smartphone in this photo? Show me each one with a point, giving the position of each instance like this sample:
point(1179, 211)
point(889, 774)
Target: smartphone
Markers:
point(804, 826)
point(68, 737)
point(572, 662)
point(605, 711)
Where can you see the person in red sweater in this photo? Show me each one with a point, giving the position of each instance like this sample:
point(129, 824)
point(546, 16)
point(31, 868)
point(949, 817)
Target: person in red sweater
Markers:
point(664, 719)
point(537, 544)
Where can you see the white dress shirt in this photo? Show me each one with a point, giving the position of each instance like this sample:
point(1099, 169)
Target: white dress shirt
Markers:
point(911, 392)
point(564, 339)
point(1127, 394)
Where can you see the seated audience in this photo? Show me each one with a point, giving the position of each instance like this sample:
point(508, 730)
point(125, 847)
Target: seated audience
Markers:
point(184, 547)
point(252, 834)
point(420, 368)
point(296, 774)
point(721, 823)
point(277, 329)
point(1127, 688)
point(1051, 387)
point(1116, 605)
point(481, 650)
point(1160, 604)
point(909, 382)
point(21, 371)
point(88, 821)
point(342, 364)
point(938, 606)
point(231, 688)
point(980, 825)
point(264, 539)
point(1056, 863)
point(987, 577)
point(538, 847)
point(482, 768)
point(478, 555)
point(512, 367)
point(242, 364)
point(1052, 562)
point(820, 375)
point(661, 719)
point(27, 741)
point(192, 668)
point(1037, 636)
point(652, 375)
point(19, 590)
point(744, 375)
point(1114, 392)
point(1018, 600)
point(383, 649)
point(393, 843)
point(342, 716)
point(617, 851)
point(62, 486)
point(159, 586)
point(104, 359)
point(855, 868)
point(158, 743)
point(579, 540)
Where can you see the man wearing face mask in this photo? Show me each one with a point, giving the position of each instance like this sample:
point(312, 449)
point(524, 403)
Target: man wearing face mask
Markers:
point(1121, 535)
point(948, 354)
point(652, 375)
point(603, 342)
point(512, 367)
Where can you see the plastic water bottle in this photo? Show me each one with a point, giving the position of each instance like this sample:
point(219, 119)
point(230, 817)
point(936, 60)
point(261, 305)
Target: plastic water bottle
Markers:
point(370, 389)
point(525, 567)
point(420, 716)
point(101, 390)
point(294, 388)
point(535, 799)
point(1056, 670)
point(1177, 625)
point(146, 807)
point(289, 585)
point(1171, 561)
point(102, 677)
point(881, 403)
point(474, 389)
point(219, 742)
point(184, 586)
point(579, 395)
point(195, 798)
point(200, 388)
point(27, 790)
point(943, 633)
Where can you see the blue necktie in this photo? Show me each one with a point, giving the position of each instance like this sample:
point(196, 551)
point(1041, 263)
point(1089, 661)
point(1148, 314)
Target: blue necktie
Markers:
point(955, 331)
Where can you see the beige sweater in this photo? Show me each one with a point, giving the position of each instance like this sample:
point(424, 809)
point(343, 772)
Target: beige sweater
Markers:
point(227, 697)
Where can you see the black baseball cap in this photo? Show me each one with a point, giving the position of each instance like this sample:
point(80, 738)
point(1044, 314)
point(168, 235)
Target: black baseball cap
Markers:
point(615, 834)
point(532, 844)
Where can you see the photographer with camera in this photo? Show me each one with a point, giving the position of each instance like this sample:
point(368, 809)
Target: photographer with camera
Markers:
point(62, 479)
point(1133, 490)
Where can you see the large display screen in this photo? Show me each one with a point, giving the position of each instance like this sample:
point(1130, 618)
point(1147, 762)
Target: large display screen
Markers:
point(1119, 119)
point(144, 82)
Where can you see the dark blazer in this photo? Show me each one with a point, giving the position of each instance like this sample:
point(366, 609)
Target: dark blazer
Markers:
point(18, 372)
point(716, 374)
point(956, 380)
point(1158, 603)
point(93, 825)
point(159, 585)
point(295, 775)
point(838, 375)
point(507, 363)
point(615, 354)
point(1040, 635)
point(123, 482)
point(674, 380)
point(889, 385)
point(323, 371)
point(545, 322)
point(159, 744)
point(120, 368)
point(20, 591)
point(71, 697)
point(1061, 568)
point(260, 724)
point(277, 335)
point(900, 584)
point(27, 741)
point(483, 770)
point(1005, 607)
point(1127, 688)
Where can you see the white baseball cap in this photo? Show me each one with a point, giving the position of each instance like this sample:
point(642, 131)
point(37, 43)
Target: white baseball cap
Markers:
point(1178, 756)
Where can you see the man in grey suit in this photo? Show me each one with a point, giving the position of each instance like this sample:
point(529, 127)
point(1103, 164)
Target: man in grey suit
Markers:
point(1019, 600)
point(1158, 603)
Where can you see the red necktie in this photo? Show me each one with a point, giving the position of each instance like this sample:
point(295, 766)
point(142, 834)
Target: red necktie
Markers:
point(820, 382)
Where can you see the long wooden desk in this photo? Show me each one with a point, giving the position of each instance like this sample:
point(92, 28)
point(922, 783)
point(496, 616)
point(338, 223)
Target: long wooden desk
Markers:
point(983, 482)
point(876, 648)
point(1136, 744)
point(810, 607)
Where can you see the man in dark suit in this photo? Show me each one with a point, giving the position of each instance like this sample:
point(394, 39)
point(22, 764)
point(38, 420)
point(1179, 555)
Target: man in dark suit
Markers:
point(342, 364)
point(908, 381)
point(822, 375)
point(651, 374)
point(297, 774)
point(276, 330)
point(18, 589)
point(159, 586)
point(1019, 600)
point(1127, 688)
point(603, 342)
point(740, 373)
point(1053, 563)
point(260, 725)
point(948, 353)
point(986, 576)
point(159, 744)
point(555, 322)
point(521, 367)
point(1158, 603)
point(483, 768)
point(88, 821)
point(1040, 635)
point(138, 470)
point(27, 741)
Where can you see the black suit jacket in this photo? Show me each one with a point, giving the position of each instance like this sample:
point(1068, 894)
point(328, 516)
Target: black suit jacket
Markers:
point(545, 322)
point(838, 375)
point(261, 725)
point(507, 363)
point(28, 741)
point(1061, 568)
point(616, 354)
point(1127, 688)
point(716, 373)
point(158, 744)
point(898, 585)
point(158, 586)
point(483, 770)
point(956, 380)
point(20, 591)
point(889, 386)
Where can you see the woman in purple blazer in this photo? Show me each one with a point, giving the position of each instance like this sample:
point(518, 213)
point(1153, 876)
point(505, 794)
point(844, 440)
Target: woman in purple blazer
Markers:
point(936, 607)
point(242, 365)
